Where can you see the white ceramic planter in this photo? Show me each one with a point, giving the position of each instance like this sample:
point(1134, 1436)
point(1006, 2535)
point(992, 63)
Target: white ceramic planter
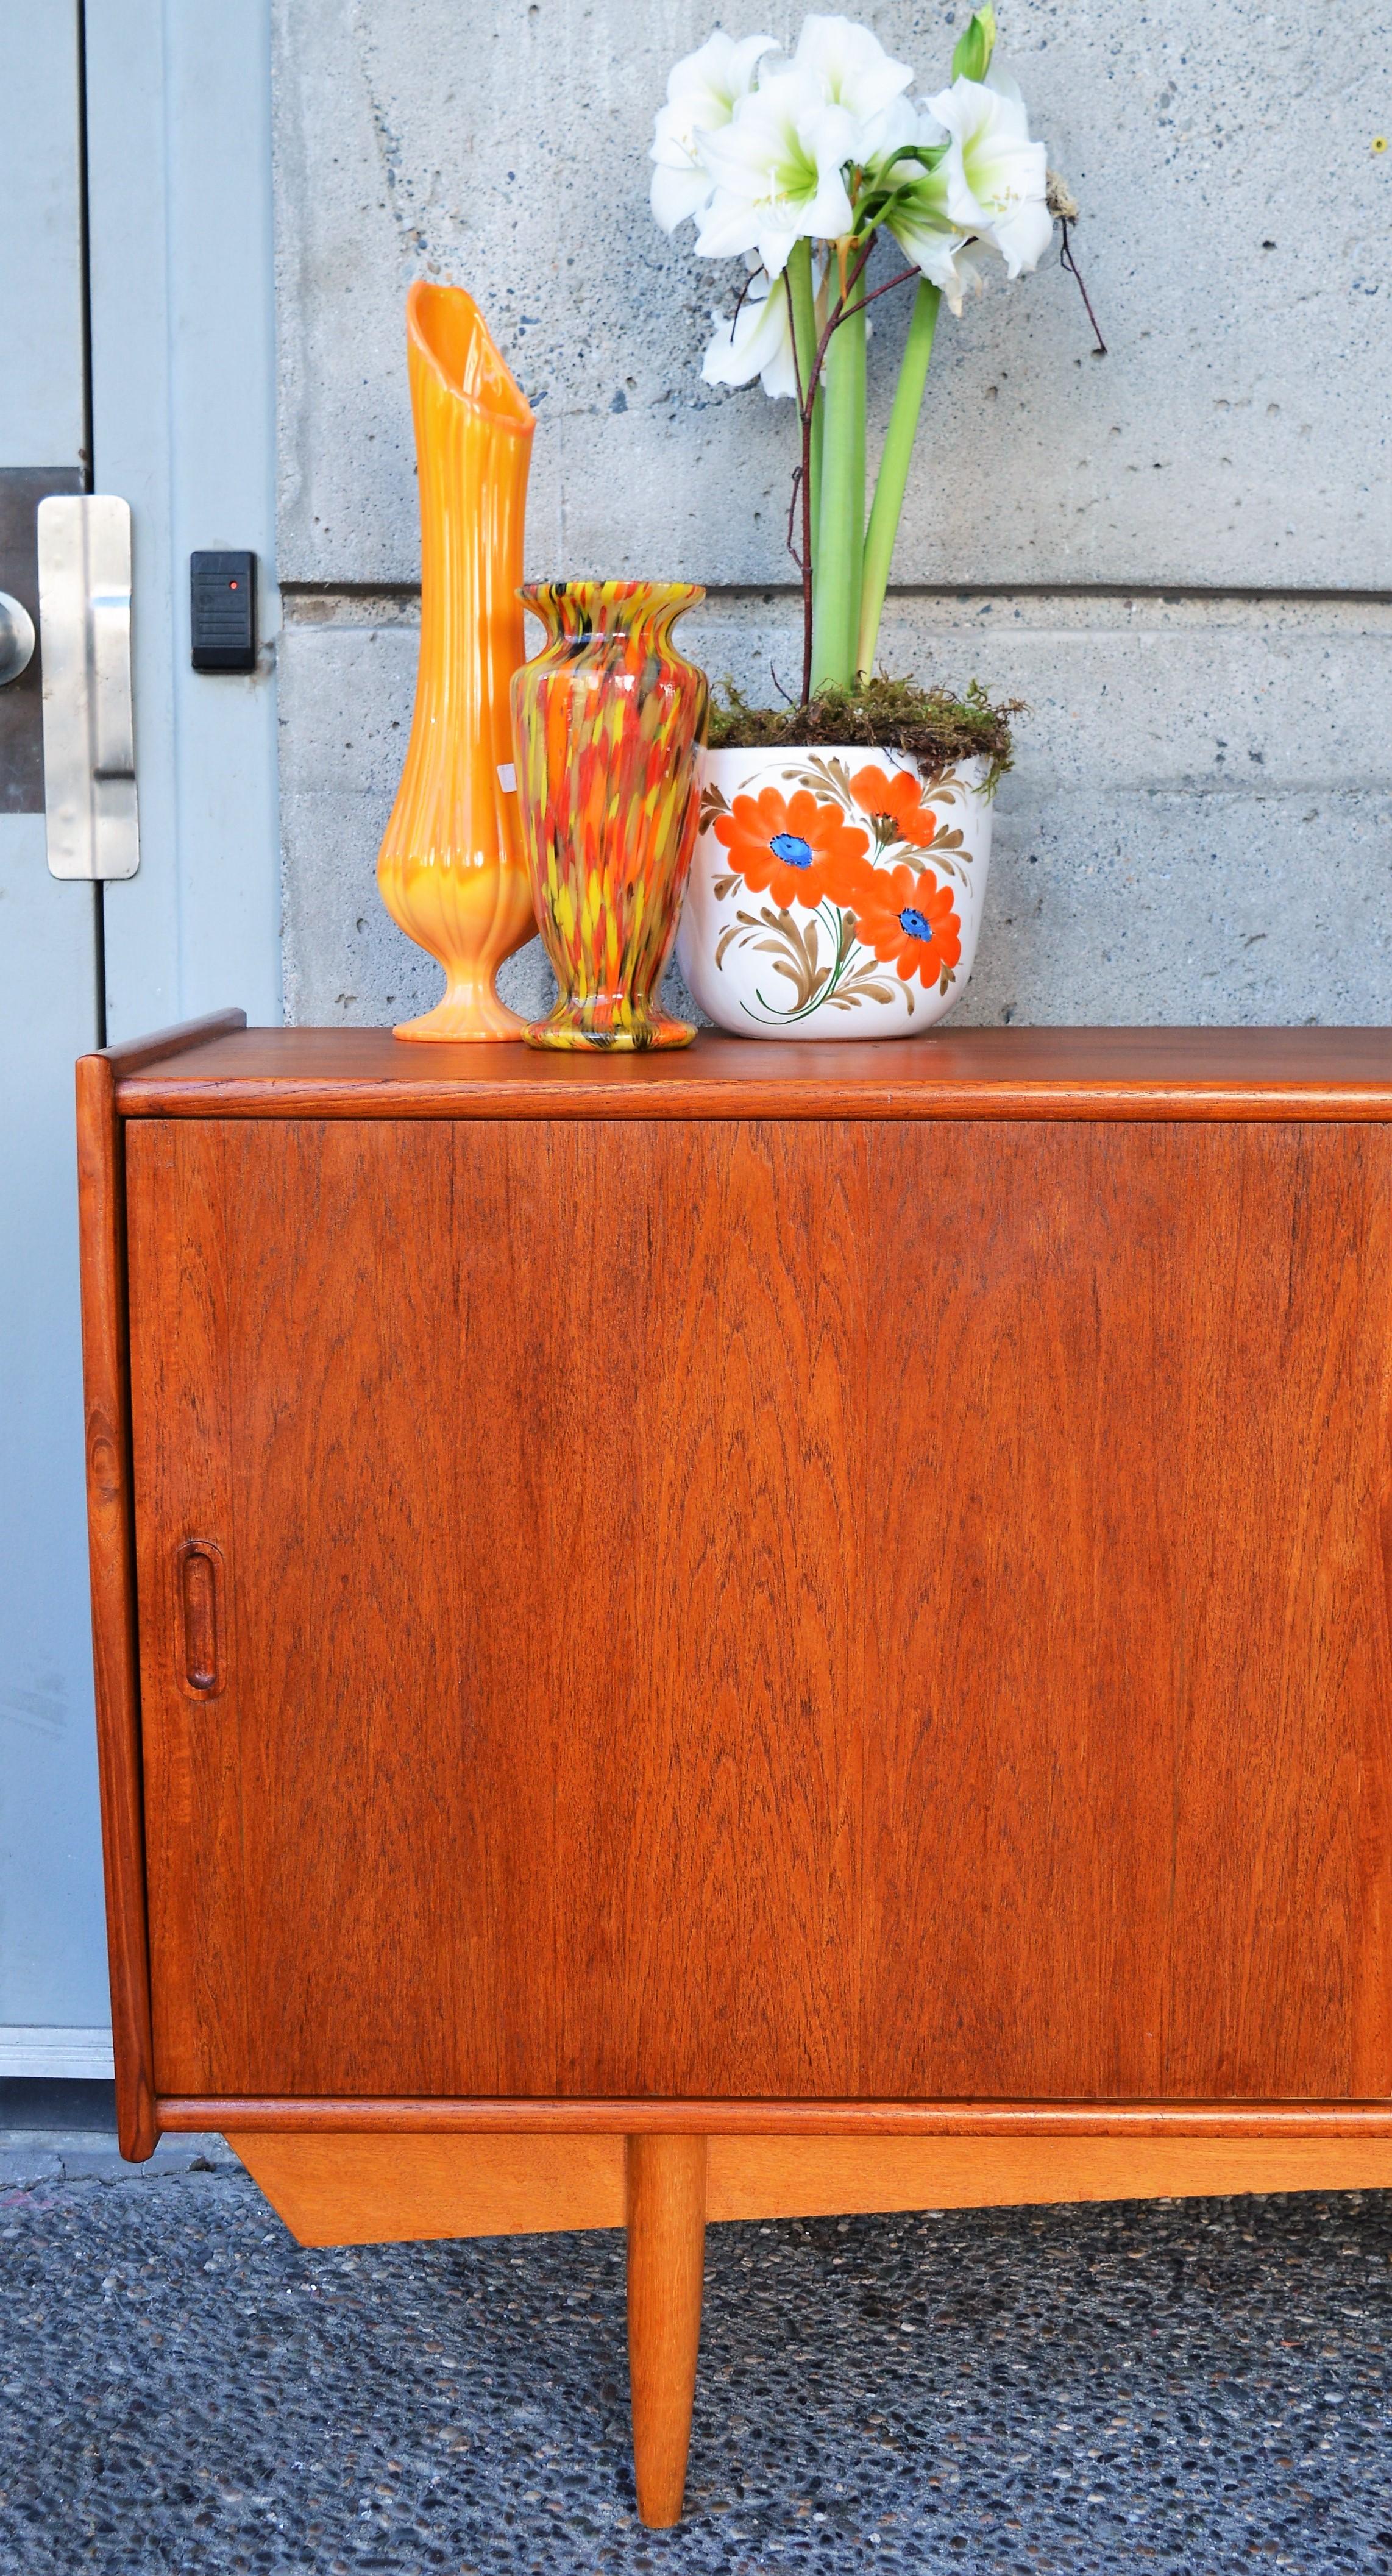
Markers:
point(834, 893)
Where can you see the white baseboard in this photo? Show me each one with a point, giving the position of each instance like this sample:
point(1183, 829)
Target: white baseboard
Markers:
point(28, 2049)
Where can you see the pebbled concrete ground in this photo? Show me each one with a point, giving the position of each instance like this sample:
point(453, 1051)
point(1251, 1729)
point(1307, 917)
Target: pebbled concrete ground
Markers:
point(1196, 2386)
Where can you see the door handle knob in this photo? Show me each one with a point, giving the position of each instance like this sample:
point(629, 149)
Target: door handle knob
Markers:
point(16, 638)
point(88, 719)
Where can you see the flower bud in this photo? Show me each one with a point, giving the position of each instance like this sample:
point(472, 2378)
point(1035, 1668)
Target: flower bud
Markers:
point(971, 55)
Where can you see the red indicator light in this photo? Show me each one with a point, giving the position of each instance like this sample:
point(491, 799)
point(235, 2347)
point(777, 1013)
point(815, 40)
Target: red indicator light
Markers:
point(232, 585)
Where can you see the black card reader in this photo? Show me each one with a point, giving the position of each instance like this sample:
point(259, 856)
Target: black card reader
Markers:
point(223, 611)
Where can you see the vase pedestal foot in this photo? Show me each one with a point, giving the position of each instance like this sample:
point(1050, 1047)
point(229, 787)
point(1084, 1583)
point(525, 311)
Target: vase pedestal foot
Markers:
point(620, 1028)
point(469, 1015)
point(666, 2213)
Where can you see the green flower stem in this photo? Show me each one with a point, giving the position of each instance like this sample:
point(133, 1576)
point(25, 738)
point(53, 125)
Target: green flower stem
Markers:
point(841, 533)
point(805, 343)
point(892, 480)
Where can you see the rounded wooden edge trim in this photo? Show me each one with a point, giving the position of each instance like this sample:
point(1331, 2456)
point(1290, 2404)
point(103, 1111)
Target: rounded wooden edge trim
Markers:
point(128, 1057)
point(784, 2119)
point(172, 1095)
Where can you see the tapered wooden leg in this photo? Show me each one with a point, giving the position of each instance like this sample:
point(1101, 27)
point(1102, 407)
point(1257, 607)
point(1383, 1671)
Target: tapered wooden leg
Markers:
point(666, 2185)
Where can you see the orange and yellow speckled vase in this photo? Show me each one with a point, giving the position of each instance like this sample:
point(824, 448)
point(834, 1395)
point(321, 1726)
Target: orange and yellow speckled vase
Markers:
point(607, 720)
point(451, 870)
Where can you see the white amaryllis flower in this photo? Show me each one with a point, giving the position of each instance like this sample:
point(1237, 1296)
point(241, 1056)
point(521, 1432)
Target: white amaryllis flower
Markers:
point(921, 227)
point(852, 70)
point(996, 177)
point(759, 342)
point(703, 92)
point(777, 167)
point(918, 217)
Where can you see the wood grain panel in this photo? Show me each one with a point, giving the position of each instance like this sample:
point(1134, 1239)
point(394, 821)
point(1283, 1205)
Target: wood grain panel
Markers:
point(602, 1502)
point(1127, 1745)
point(812, 2177)
point(101, 1185)
point(194, 1747)
point(541, 1655)
point(1280, 1937)
point(111, 1555)
point(346, 2190)
point(716, 1765)
point(949, 1073)
point(353, 1852)
point(379, 2191)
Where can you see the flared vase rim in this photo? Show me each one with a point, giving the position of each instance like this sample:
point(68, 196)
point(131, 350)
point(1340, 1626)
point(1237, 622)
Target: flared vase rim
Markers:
point(600, 599)
point(512, 411)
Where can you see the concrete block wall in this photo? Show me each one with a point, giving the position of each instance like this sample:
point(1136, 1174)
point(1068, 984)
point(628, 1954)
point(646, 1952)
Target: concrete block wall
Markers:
point(1179, 555)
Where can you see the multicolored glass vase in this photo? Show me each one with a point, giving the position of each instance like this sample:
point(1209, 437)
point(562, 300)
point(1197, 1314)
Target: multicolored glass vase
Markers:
point(607, 720)
point(450, 870)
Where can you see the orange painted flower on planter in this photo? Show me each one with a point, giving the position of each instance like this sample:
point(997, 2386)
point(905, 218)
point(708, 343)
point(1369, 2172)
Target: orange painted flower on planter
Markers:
point(896, 807)
point(910, 922)
point(793, 848)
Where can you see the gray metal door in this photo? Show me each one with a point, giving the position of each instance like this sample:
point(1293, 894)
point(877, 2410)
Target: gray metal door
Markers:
point(53, 2002)
point(136, 359)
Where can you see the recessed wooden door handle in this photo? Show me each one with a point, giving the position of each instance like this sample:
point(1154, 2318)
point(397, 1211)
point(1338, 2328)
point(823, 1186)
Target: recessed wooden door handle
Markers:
point(200, 1604)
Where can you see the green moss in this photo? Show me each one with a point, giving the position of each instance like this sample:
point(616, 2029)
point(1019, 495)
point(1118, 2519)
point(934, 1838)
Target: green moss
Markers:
point(884, 715)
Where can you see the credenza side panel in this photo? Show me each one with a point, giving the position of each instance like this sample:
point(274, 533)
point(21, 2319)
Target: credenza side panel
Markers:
point(532, 1465)
point(1128, 1829)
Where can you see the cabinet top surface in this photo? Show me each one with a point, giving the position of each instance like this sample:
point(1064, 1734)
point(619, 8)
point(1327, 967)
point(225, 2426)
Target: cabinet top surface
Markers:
point(970, 1073)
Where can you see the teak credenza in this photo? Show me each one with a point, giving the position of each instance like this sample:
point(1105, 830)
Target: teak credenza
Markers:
point(775, 1630)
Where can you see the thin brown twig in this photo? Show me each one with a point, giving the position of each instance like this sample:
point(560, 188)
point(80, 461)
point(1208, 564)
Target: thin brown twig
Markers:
point(740, 301)
point(1067, 260)
point(792, 513)
point(887, 289)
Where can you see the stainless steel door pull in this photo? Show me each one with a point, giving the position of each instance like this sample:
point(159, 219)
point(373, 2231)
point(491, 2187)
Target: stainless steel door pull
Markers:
point(88, 722)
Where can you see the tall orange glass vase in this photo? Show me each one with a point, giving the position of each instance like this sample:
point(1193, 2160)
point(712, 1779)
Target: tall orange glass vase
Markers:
point(451, 869)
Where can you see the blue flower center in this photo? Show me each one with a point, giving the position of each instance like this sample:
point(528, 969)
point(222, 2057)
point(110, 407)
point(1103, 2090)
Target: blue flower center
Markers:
point(915, 922)
point(793, 852)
